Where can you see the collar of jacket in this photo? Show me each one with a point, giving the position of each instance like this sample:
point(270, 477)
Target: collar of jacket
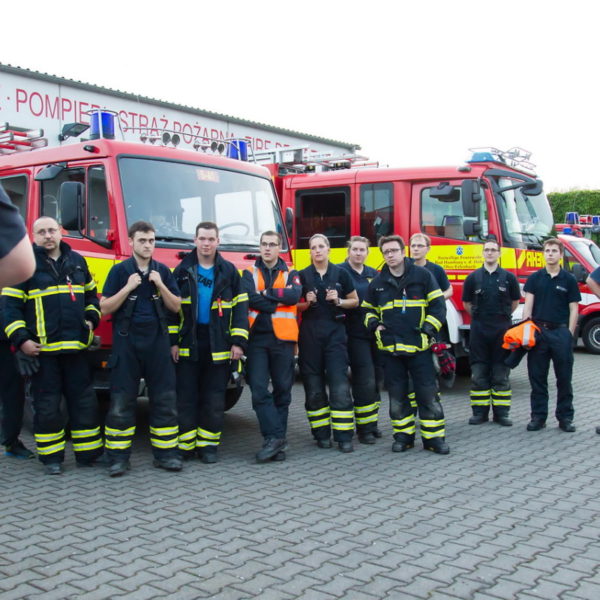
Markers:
point(190, 260)
point(41, 252)
point(279, 265)
point(393, 280)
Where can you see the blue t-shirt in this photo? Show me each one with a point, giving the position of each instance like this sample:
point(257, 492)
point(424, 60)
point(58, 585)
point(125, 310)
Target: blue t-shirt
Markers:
point(206, 280)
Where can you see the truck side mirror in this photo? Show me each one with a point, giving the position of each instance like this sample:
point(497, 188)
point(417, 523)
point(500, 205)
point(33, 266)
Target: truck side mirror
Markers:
point(50, 172)
point(534, 188)
point(289, 222)
point(444, 192)
point(471, 228)
point(471, 196)
point(70, 205)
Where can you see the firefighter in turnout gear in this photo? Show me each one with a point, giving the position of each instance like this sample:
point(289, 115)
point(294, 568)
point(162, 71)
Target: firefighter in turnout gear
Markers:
point(51, 318)
point(490, 296)
point(140, 292)
point(322, 347)
point(404, 308)
point(210, 333)
point(273, 293)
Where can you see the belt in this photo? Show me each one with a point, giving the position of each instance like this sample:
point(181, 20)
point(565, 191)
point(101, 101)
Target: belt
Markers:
point(549, 325)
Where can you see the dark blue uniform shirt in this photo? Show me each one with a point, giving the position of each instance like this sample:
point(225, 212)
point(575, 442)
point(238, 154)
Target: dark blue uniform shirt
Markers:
point(144, 310)
point(552, 295)
point(439, 275)
point(355, 317)
point(313, 282)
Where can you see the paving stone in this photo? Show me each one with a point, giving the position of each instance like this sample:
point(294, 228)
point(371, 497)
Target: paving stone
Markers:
point(321, 525)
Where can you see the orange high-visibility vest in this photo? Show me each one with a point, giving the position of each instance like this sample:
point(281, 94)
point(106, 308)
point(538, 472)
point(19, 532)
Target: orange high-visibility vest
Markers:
point(521, 336)
point(285, 324)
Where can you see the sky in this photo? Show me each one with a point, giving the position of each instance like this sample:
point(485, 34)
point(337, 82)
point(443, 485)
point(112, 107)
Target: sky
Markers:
point(414, 83)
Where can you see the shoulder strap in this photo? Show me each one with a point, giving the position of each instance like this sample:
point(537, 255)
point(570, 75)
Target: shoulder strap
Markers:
point(157, 301)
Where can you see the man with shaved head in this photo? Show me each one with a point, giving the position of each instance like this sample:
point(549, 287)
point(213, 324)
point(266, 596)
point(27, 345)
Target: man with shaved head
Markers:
point(50, 319)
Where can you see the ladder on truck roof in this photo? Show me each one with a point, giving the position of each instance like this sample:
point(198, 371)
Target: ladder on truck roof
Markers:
point(19, 139)
point(301, 160)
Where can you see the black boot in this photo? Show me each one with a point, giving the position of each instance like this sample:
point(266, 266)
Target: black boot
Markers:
point(501, 416)
point(480, 415)
point(437, 445)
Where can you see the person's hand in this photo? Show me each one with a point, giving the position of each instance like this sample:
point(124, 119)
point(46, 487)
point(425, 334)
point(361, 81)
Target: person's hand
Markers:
point(311, 297)
point(135, 280)
point(30, 348)
point(175, 353)
point(332, 296)
point(155, 278)
point(236, 352)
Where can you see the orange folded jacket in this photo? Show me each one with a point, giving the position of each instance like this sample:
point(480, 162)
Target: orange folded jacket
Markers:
point(521, 336)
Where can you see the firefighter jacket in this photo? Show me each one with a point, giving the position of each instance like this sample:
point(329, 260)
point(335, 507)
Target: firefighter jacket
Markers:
point(52, 306)
point(273, 311)
point(228, 323)
point(521, 336)
point(411, 308)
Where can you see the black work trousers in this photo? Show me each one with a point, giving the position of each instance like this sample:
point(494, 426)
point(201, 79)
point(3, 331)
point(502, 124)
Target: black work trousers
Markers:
point(143, 352)
point(201, 387)
point(554, 345)
point(270, 359)
point(324, 366)
point(12, 395)
point(490, 382)
point(366, 376)
point(65, 375)
point(398, 371)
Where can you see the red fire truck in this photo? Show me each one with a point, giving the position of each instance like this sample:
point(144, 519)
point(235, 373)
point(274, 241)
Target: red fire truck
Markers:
point(582, 256)
point(96, 188)
point(494, 193)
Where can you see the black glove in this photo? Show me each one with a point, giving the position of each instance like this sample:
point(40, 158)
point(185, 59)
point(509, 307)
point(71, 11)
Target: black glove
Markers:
point(429, 330)
point(26, 365)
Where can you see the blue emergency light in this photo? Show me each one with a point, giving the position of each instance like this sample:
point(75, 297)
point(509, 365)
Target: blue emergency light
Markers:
point(102, 124)
point(238, 149)
point(572, 218)
point(567, 230)
point(595, 219)
point(482, 157)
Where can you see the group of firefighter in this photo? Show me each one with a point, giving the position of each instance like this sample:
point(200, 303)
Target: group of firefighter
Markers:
point(188, 332)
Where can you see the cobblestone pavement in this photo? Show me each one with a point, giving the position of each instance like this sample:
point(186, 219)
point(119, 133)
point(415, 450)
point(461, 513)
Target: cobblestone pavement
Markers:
point(509, 514)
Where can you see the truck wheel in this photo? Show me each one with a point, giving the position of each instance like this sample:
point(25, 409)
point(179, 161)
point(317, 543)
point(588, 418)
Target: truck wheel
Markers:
point(591, 335)
point(232, 395)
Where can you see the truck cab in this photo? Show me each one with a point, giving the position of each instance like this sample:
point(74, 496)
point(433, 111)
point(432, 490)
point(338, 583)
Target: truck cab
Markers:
point(96, 189)
point(495, 193)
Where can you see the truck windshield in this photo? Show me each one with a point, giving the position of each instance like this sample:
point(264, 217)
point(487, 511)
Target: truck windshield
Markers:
point(589, 252)
point(527, 220)
point(176, 196)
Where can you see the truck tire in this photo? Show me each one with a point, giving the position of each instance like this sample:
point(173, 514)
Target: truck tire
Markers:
point(590, 335)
